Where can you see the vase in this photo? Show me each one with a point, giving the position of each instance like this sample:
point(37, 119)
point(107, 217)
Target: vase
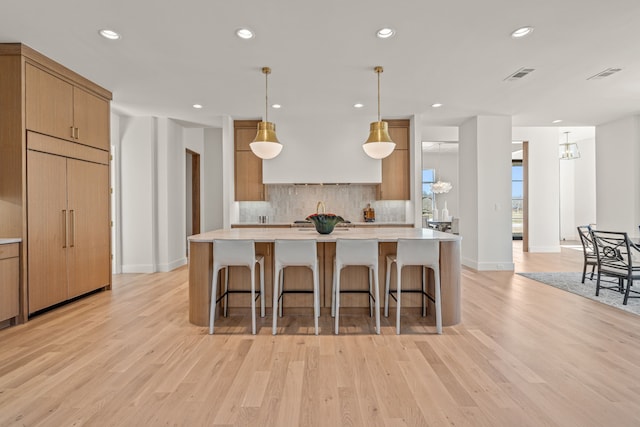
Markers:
point(445, 213)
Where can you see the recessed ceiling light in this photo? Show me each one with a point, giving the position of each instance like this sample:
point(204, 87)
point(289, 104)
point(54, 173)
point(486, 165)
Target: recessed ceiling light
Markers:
point(358, 105)
point(109, 34)
point(197, 106)
point(385, 33)
point(557, 121)
point(244, 33)
point(521, 32)
point(276, 106)
point(436, 105)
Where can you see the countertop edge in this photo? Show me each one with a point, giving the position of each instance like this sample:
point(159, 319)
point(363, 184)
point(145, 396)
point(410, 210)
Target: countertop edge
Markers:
point(9, 240)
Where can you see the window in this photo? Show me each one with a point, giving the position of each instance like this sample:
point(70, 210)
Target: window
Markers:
point(517, 199)
point(428, 178)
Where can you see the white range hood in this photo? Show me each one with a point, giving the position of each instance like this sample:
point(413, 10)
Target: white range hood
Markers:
point(319, 150)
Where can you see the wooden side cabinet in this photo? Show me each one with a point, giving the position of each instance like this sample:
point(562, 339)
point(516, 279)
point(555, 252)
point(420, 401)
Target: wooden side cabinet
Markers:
point(9, 283)
point(248, 166)
point(396, 168)
point(54, 178)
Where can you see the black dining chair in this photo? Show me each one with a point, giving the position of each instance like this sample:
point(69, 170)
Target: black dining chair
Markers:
point(590, 257)
point(615, 260)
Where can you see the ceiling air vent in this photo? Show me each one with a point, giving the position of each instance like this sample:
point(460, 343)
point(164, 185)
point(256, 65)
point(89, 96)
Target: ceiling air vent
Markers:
point(519, 74)
point(605, 73)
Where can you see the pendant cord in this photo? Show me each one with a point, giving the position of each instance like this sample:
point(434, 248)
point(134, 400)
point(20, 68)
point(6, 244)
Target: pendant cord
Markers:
point(378, 96)
point(266, 97)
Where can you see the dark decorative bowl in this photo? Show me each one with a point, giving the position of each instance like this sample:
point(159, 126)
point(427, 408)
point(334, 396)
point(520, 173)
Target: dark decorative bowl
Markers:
point(325, 222)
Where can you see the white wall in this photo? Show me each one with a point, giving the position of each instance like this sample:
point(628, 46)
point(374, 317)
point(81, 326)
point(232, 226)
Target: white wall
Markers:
point(211, 167)
point(578, 190)
point(153, 190)
point(544, 186)
point(585, 184)
point(138, 195)
point(322, 150)
point(485, 192)
point(618, 172)
point(171, 196)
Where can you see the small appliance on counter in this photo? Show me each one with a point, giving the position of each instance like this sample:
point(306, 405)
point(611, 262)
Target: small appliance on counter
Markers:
point(369, 213)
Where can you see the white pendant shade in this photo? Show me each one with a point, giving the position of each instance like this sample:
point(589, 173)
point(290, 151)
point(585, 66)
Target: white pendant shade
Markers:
point(266, 149)
point(378, 150)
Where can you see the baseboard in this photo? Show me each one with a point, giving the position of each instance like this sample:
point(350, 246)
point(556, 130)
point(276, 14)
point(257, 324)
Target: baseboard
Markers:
point(164, 268)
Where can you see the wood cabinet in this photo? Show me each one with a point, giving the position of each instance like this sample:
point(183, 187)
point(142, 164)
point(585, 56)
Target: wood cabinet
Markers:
point(68, 221)
point(396, 167)
point(9, 281)
point(54, 177)
point(248, 166)
point(57, 108)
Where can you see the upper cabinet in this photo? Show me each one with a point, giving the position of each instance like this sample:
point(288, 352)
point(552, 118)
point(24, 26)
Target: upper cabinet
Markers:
point(79, 116)
point(396, 180)
point(248, 166)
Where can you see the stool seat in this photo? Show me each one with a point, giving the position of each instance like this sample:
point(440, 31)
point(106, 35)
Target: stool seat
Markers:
point(423, 253)
point(354, 252)
point(236, 253)
point(295, 253)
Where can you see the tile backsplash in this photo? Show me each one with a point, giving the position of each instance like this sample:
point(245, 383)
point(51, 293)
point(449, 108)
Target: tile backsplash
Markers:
point(288, 203)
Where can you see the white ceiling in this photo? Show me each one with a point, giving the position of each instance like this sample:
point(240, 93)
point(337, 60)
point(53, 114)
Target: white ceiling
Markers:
point(458, 52)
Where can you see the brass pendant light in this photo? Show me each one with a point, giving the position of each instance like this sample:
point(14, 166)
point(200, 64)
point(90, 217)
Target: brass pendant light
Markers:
point(379, 144)
point(266, 144)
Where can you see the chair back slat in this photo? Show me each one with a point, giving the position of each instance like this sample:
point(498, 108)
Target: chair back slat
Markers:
point(613, 251)
point(584, 231)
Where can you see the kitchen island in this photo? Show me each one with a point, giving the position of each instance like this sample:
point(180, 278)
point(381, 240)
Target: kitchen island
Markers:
point(201, 262)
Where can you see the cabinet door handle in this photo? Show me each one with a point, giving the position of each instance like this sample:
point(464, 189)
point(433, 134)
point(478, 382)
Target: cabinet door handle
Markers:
point(64, 227)
point(77, 133)
point(73, 132)
point(72, 219)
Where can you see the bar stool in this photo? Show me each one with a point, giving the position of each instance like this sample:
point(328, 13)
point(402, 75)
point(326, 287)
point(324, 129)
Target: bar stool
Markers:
point(424, 253)
point(356, 252)
point(295, 253)
point(241, 253)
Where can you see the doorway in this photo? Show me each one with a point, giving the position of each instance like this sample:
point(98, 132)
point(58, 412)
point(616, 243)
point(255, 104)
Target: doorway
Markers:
point(520, 193)
point(192, 191)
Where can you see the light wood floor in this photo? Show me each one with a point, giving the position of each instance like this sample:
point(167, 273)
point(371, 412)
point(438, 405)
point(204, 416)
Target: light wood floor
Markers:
point(526, 354)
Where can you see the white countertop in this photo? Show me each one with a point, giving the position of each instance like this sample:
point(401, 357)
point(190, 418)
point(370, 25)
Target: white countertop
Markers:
point(7, 241)
point(383, 234)
point(310, 224)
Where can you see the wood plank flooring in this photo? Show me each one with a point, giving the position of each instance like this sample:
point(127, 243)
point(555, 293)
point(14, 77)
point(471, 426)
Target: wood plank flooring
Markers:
point(525, 354)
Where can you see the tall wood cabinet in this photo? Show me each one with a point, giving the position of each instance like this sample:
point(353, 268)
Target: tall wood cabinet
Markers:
point(248, 166)
point(396, 167)
point(54, 177)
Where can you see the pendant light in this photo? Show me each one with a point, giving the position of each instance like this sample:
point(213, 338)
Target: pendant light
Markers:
point(569, 151)
point(379, 145)
point(266, 144)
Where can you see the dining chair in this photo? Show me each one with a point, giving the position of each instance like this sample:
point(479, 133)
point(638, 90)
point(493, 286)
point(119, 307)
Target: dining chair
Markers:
point(588, 251)
point(423, 253)
point(615, 260)
point(295, 253)
point(353, 252)
point(236, 253)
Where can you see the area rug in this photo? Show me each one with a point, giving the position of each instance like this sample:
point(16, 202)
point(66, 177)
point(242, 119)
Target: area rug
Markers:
point(571, 282)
